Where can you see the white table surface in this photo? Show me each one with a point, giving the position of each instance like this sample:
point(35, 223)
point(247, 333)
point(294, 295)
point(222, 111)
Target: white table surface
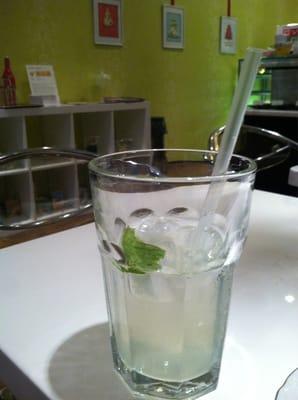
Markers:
point(53, 331)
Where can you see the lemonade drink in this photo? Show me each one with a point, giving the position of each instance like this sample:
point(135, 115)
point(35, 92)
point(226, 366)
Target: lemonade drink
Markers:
point(168, 326)
point(167, 290)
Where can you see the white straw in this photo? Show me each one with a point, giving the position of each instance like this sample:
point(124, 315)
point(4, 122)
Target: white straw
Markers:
point(228, 142)
point(245, 84)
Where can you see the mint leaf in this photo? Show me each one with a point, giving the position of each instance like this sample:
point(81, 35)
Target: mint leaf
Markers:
point(140, 257)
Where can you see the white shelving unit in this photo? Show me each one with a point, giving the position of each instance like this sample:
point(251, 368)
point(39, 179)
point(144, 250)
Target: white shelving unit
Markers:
point(29, 189)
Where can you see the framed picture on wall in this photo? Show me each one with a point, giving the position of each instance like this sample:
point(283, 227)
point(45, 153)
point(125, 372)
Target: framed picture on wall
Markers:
point(108, 27)
point(173, 27)
point(228, 35)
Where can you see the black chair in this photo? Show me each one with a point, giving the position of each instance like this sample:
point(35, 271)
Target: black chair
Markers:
point(21, 163)
point(269, 149)
point(158, 130)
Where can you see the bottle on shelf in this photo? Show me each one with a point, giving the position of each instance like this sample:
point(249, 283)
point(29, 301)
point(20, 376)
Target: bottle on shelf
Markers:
point(9, 84)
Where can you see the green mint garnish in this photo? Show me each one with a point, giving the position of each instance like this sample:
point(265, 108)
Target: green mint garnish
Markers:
point(140, 257)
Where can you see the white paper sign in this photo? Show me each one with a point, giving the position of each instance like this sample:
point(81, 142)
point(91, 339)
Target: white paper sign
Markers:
point(42, 80)
point(228, 35)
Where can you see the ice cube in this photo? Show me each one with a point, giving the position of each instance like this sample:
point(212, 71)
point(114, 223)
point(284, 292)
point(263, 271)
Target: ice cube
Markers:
point(159, 231)
point(156, 287)
point(208, 242)
point(178, 237)
point(171, 234)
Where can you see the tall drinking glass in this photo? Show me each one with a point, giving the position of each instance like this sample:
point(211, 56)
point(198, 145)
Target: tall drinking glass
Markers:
point(167, 298)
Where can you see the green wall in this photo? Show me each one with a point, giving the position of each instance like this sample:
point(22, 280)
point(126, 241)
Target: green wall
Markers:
point(191, 88)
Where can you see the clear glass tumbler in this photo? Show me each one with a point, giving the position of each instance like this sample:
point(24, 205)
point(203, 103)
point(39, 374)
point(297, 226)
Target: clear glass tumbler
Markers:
point(168, 294)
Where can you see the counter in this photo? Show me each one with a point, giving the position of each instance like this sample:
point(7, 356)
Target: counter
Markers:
point(54, 336)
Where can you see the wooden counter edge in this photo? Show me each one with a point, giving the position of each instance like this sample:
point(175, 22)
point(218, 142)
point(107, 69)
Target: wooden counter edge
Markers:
point(34, 233)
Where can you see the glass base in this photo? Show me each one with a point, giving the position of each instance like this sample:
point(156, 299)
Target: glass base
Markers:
point(144, 387)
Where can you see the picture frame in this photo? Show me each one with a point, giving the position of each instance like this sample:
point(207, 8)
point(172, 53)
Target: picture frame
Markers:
point(108, 22)
point(173, 27)
point(228, 35)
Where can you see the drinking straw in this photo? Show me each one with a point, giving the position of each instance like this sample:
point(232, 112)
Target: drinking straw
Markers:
point(246, 81)
point(235, 118)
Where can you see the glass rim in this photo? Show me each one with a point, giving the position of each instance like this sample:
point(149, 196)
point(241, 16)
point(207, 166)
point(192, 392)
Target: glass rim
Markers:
point(95, 168)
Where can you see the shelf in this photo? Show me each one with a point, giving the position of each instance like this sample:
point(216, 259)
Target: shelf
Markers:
point(51, 165)
point(128, 129)
point(272, 112)
point(94, 132)
point(260, 92)
point(72, 109)
point(15, 197)
point(265, 75)
point(37, 187)
point(55, 213)
point(50, 130)
point(55, 189)
point(16, 221)
point(15, 171)
point(12, 135)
